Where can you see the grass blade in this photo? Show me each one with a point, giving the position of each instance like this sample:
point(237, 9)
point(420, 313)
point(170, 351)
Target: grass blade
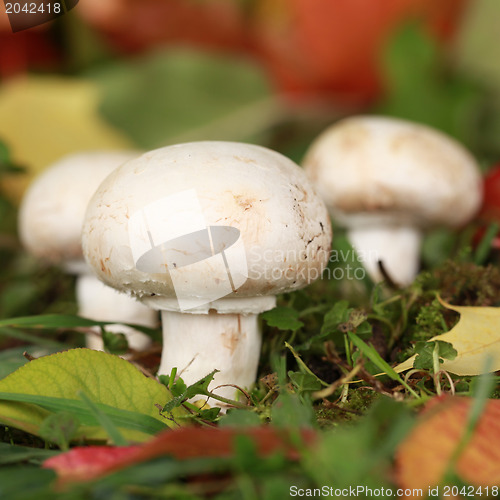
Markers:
point(51, 321)
point(106, 423)
point(370, 352)
point(484, 247)
point(120, 418)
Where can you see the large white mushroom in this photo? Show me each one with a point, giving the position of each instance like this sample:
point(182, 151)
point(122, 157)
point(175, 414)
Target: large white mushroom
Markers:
point(209, 233)
point(386, 180)
point(50, 225)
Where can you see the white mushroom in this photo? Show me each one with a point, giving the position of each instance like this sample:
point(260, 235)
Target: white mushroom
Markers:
point(50, 223)
point(209, 233)
point(386, 180)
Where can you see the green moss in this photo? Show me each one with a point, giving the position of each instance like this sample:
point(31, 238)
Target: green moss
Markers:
point(356, 405)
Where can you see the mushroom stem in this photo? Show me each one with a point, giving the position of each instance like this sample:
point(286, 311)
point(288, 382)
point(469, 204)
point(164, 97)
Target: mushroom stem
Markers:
point(397, 247)
point(196, 344)
point(103, 303)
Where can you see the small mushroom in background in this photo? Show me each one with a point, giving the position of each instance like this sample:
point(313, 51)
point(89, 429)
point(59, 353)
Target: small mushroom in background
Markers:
point(208, 233)
point(386, 180)
point(50, 224)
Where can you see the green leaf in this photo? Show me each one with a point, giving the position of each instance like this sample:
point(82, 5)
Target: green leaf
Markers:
point(177, 96)
point(304, 382)
point(361, 453)
point(422, 91)
point(239, 418)
point(336, 315)
point(209, 414)
point(106, 423)
point(342, 319)
point(27, 483)
point(290, 411)
point(284, 318)
point(115, 343)
point(109, 381)
point(446, 350)
point(425, 353)
point(59, 428)
point(122, 418)
point(198, 388)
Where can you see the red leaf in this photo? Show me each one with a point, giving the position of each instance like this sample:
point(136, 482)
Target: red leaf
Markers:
point(423, 458)
point(87, 463)
point(490, 210)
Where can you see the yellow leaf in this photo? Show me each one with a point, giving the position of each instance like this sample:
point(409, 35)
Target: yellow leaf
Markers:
point(104, 378)
point(45, 118)
point(476, 337)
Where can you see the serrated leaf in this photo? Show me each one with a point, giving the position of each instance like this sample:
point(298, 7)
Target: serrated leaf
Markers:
point(476, 337)
point(209, 414)
point(198, 388)
point(284, 318)
point(54, 382)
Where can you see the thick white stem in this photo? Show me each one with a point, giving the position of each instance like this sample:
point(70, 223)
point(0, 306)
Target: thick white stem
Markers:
point(102, 303)
point(197, 344)
point(397, 247)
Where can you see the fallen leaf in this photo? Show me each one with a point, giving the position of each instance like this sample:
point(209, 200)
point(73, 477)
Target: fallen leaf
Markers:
point(423, 458)
point(84, 464)
point(476, 337)
point(45, 118)
point(106, 379)
point(180, 95)
point(90, 462)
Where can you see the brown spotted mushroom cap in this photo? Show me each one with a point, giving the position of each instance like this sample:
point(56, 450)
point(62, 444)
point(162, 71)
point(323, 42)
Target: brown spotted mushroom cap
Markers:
point(392, 170)
point(146, 226)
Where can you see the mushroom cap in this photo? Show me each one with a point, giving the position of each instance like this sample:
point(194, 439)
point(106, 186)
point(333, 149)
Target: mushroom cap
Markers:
point(375, 169)
point(146, 232)
point(53, 208)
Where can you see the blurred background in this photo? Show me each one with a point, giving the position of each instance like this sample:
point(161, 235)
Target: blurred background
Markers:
point(148, 73)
